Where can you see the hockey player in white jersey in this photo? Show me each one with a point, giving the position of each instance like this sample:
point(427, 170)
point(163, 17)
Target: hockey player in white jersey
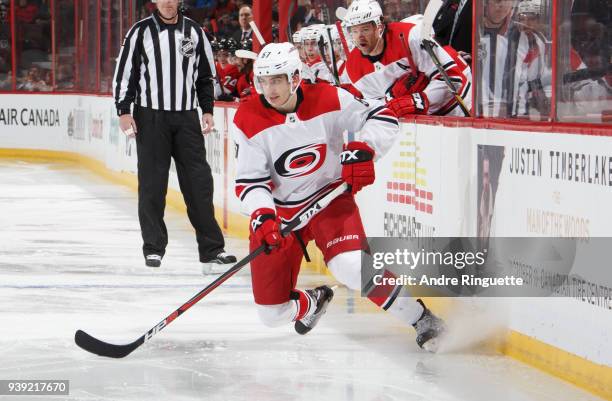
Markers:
point(314, 59)
point(389, 63)
point(291, 153)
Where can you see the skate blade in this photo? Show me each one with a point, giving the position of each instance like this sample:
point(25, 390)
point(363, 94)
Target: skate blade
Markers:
point(432, 345)
point(212, 269)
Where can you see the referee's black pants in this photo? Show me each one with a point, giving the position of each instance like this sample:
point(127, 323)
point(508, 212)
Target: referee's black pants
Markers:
point(178, 134)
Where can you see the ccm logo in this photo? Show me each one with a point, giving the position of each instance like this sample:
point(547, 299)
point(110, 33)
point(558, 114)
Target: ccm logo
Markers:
point(340, 239)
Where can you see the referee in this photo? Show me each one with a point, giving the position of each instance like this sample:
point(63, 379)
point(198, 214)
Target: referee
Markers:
point(165, 68)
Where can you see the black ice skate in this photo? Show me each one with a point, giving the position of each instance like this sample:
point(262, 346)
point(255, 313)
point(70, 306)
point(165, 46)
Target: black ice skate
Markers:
point(429, 329)
point(218, 264)
point(153, 260)
point(322, 296)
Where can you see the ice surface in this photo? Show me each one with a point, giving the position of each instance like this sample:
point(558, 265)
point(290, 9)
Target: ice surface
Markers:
point(70, 259)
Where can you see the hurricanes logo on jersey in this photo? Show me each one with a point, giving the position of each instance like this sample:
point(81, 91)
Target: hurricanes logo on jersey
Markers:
point(298, 162)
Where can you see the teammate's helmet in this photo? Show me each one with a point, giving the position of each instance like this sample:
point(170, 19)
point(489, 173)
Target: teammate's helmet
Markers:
point(247, 44)
point(214, 44)
point(529, 7)
point(277, 59)
point(334, 34)
point(312, 32)
point(222, 44)
point(297, 37)
point(232, 45)
point(362, 11)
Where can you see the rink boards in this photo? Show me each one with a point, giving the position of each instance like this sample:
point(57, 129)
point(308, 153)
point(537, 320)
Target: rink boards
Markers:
point(430, 184)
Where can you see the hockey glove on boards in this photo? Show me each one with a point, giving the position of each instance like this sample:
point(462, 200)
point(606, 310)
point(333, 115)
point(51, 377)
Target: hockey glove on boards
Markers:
point(357, 161)
point(265, 229)
point(415, 103)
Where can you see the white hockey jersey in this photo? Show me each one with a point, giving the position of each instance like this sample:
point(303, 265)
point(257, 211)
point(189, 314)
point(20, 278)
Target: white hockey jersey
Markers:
point(319, 70)
point(343, 75)
point(287, 161)
point(374, 76)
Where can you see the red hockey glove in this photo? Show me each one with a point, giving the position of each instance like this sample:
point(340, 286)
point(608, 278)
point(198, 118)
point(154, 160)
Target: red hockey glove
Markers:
point(408, 84)
point(265, 228)
point(416, 103)
point(357, 161)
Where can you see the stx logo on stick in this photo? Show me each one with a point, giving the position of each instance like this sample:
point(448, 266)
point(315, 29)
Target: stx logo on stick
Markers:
point(155, 330)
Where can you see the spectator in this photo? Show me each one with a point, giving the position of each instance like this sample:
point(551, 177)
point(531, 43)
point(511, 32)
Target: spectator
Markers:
point(33, 81)
point(304, 16)
point(26, 12)
point(453, 26)
point(65, 77)
point(586, 88)
point(512, 64)
point(245, 16)
point(396, 10)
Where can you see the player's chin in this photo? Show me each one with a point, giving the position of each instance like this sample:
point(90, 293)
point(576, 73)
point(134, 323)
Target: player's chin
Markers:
point(274, 100)
point(364, 47)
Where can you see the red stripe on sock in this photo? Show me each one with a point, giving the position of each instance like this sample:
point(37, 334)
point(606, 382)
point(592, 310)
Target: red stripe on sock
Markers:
point(303, 303)
point(381, 293)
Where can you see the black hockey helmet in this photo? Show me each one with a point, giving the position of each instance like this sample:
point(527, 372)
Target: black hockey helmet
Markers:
point(230, 45)
point(247, 44)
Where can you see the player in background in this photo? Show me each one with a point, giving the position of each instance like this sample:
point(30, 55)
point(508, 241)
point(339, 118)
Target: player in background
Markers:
point(311, 35)
point(244, 86)
point(227, 71)
point(331, 37)
point(307, 74)
point(291, 153)
point(389, 63)
point(214, 45)
point(296, 38)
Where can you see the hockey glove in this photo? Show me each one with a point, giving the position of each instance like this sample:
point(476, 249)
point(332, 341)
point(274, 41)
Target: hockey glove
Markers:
point(416, 103)
point(357, 161)
point(408, 84)
point(265, 229)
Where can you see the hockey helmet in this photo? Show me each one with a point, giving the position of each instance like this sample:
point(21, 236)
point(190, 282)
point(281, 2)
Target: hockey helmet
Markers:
point(278, 59)
point(362, 11)
point(312, 32)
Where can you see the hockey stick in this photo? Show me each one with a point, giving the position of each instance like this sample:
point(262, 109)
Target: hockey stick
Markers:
point(321, 46)
point(333, 56)
point(413, 70)
point(340, 13)
point(257, 33)
point(246, 54)
point(98, 347)
point(426, 33)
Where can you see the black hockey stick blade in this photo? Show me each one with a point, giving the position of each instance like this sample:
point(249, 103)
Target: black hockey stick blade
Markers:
point(101, 348)
point(95, 346)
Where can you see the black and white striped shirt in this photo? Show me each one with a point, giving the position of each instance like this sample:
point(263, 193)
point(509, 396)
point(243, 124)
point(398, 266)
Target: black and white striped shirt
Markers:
point(165, 67)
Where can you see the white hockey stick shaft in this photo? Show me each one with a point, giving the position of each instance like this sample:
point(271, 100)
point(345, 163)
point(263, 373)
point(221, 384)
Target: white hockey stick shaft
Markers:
point(257, 33)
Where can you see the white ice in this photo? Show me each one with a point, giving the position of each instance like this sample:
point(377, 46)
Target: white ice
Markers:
point(70, 259)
